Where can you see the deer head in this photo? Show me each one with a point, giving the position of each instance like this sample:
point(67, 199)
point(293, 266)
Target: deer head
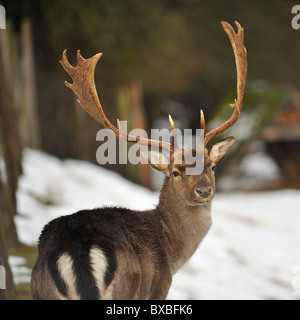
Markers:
point(194, 189)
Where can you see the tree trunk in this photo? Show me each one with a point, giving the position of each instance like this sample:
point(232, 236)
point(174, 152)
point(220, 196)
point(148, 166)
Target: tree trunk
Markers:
point(29, 118)
point(130, 108)
point(9, 145)
point(138, 120)
point(7, 289)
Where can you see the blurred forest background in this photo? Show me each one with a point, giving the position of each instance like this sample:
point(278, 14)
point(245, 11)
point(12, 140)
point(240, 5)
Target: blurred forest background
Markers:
point(159, 57)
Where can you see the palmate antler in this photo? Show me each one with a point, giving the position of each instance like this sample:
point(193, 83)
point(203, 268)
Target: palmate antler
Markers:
point(84, 87)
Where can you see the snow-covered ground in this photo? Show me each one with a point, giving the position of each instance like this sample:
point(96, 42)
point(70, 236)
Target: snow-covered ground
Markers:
point(251, 252)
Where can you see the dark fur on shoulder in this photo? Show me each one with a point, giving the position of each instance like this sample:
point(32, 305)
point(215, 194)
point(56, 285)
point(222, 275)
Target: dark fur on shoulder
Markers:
point(106, 228)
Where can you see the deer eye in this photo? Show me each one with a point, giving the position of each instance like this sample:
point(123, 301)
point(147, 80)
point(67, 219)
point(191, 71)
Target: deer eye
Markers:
point(175, 174)
point(213, 168)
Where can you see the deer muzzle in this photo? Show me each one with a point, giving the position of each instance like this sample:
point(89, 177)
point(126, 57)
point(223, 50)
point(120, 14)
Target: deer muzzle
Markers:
point(204, 192)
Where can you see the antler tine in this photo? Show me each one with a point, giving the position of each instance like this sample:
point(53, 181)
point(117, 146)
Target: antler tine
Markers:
point(66, 64)
point(240, 54)
point(202, 121)
point(174, 133)
point(203, 127)
point(84, 87)
point(172, 123)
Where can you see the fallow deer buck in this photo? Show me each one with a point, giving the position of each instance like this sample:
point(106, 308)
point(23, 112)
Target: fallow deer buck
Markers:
point(116, 253)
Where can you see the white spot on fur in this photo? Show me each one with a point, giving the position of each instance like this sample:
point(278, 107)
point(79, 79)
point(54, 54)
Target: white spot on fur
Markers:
point(99, 265)
point(65, 267)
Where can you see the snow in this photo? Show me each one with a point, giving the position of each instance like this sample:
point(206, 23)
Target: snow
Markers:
point(259, 165)
point(251, 252)
point(257, 170)
point(50, 188)
point(20, 272)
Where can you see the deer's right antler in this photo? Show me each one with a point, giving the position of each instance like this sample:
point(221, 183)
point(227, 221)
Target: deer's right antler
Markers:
point(84, 87)
point(240, 55)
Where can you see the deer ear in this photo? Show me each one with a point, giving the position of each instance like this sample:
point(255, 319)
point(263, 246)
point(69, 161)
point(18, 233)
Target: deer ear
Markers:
point(221, 149)
point(156, 159)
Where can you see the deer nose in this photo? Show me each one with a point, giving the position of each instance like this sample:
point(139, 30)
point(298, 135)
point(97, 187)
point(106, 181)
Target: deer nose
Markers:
point(204, 192)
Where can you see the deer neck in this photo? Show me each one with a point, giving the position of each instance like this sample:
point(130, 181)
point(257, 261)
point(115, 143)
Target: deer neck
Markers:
point(184, 226)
